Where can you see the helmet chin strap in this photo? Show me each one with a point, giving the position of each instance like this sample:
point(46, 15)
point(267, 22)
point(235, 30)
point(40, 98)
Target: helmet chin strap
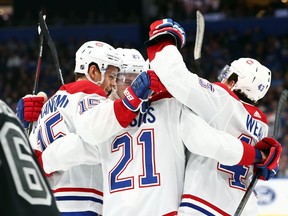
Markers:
point(96, 82)
point(101, 81)
point(102, 71)
point(89, 78)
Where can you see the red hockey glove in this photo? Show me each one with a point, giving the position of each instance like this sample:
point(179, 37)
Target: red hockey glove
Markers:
point(166, 28)
point(29, 108)
point(138, 93)
point(270, 166)
point(32, 107)
point(156, 85)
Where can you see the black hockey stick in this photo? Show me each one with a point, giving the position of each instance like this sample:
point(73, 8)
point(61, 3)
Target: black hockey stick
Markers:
point(37, 74)
point(200, 27)
point(35, 87)
point(51, 45)
point(280, 107)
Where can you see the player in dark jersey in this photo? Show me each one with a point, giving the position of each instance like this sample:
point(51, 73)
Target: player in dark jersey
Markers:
point(23, 188)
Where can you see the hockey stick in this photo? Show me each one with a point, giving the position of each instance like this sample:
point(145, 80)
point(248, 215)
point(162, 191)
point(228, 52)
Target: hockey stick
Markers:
point(200, 27)
point(37, 74)
point(51, 45)
point(280, 107)
point(35, 87)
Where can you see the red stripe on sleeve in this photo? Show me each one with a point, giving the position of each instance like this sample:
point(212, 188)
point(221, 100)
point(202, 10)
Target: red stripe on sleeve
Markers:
point(123, 114)
point(249, 154)
point(152, 50)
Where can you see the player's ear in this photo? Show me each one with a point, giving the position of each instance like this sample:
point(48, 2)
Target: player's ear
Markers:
point(94, 73)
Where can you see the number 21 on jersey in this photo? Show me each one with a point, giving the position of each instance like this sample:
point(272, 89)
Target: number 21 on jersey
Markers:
point(149, 176)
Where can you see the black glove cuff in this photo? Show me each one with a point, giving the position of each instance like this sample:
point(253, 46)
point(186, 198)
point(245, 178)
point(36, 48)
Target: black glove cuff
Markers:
point(155, 40)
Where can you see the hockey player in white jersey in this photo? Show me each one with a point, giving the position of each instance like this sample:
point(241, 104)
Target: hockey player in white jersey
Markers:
point(133, 64)
point(212, 188)
point(83, 106)
point(143, 166)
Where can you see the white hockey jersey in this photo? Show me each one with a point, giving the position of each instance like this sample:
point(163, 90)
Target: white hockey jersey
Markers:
point(212, 188)
point(78, 188)
point(143, 166)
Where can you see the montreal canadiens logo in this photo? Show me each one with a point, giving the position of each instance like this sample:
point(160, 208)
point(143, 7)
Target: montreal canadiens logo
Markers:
point(99, 44)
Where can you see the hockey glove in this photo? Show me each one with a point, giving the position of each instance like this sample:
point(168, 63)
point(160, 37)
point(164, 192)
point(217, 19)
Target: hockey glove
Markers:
point(270, 166)
point(156, 85)
point(166, 28)
point(28, 109)
point(137, 93)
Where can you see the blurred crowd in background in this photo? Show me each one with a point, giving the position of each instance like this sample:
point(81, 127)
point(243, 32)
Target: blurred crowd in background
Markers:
point(86, 12)
point(18, 58)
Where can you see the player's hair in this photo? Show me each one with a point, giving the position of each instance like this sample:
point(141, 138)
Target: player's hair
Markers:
point(241, 95)
point(81, 75)
point(233, 77)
